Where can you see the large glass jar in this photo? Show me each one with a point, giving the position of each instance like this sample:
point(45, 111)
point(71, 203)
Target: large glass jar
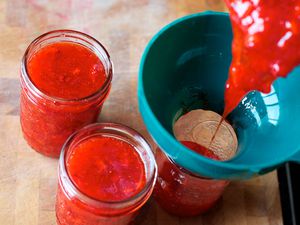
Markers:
point(48, 121)
point(74, 206)
point(183, 193)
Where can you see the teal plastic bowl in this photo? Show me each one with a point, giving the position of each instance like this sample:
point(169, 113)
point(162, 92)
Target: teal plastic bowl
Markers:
point(185, 67)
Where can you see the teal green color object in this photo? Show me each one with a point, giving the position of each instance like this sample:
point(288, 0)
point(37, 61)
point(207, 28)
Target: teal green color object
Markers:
point(185, 67)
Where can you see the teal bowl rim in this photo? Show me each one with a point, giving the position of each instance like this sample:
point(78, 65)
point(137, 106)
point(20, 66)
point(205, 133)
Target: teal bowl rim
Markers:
point(142, 101)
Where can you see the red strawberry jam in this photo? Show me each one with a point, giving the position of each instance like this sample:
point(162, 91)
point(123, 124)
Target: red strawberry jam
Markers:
point(66, 70)
point(65, 78)
point(265, 45)
point(181, 192)
point(106, 169)
point(107, 173)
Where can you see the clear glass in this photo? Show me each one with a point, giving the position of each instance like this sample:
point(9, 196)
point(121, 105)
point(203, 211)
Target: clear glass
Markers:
point(74, 207)
point(48, 121)
point(183, 193)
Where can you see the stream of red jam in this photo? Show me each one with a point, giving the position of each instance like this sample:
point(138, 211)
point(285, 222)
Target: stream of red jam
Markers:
point(106, 169)
point(265, 45)
point(66, 71)
point(182, 193)
point(200, 149)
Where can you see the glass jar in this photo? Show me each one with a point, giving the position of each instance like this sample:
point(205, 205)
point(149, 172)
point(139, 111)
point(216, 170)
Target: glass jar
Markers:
point(48, 121)
point(76, 208)
point(181, 192)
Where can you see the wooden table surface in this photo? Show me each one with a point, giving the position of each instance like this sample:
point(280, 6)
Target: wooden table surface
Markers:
point(28, 180)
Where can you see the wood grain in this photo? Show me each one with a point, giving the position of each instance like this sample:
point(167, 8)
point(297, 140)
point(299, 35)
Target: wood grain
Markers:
point(28, 180)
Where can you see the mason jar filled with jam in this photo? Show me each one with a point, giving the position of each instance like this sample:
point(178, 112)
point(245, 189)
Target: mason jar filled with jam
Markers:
point(180, 191)
point(106, 174)
point(65, 78)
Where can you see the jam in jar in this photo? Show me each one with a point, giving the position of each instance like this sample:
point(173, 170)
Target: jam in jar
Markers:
point(106, 174)
point(65, 78)
point(181, 192)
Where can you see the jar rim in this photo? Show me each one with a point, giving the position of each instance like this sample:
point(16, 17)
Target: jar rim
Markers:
point(186, 171)
point(104, 128)
point(67, 33)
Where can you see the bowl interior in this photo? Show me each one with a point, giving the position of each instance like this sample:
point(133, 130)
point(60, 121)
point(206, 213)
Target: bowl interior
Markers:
point(185, 67)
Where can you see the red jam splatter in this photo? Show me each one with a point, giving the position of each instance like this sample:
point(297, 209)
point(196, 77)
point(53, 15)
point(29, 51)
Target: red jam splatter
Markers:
point(265, 45)
point(66, 70)
point(200, 149)
point(106, 169)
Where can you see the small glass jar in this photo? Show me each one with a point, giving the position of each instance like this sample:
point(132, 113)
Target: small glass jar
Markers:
point(74, 207)
point(48, 121)
point(181, 192)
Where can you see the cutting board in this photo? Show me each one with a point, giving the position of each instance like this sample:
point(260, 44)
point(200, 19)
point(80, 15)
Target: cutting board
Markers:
point(28, 180)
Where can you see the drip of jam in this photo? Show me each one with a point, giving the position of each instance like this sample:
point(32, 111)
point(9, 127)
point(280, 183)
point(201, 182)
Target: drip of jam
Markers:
point(106, 169)
point(200, 149)
point(216, 132)
point(265, 45)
